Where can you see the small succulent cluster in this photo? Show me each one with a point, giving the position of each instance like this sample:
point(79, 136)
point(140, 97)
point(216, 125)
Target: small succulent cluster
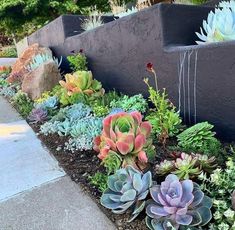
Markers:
point(177, 203)
point(127, 189)
point(130, 104)
point(78, 123)
point(5, 70)
point(6, 89)
point(199, 138)
point(186, 165)
point(128, 136)
point(214, 29)
point(37, 115)
point(22, 103)
point(82, 82)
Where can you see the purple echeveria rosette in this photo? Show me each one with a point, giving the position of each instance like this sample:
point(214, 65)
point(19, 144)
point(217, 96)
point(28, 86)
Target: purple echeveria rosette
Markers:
point(176, 204)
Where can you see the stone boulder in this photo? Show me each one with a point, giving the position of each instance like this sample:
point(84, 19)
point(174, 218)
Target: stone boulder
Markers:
point(18, 69)
point(42, 79)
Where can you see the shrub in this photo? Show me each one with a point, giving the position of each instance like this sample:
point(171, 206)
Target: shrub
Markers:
point(78, 62)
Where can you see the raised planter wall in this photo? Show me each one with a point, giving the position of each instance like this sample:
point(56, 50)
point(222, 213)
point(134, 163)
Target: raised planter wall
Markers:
point(61, 28)
point(199, 79)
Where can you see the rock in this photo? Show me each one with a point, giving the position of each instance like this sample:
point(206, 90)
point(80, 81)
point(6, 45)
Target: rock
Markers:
point(233, 200)
point(19, 67)
point(42, 79)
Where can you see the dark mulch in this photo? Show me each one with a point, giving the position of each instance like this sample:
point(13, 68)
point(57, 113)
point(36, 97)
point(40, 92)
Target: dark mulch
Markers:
point(79, 166)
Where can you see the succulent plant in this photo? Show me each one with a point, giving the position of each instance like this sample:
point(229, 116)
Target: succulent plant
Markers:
point(186, 166)
point(214, 27)
point(39, 59)
point(82, 82)
point(127, 188)
point(37, 115)
point(127, 135)
point(165, 167)
point(49, 103)
point(177, 203)
point(199, 138)
point(112, 162)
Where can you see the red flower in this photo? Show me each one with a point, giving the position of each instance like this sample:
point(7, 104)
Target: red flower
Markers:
point(149, 66)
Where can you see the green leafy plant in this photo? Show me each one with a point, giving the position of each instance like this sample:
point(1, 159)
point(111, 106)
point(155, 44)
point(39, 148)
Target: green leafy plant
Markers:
point(22, 103)
point(78, 62)
point(99, 180)
point(129, 104)
point(126, 135)
point(164, 119)
point(177, 203)
point(127, 189)
point(199, 138)
point(112, 163)
point(9, 52)
point(220, 186)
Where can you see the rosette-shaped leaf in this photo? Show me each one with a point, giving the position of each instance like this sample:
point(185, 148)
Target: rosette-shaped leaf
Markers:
point(220, 25)
point(37, 115)
point(82, 82)
point(127, 189)
point(127, 135)
point(177, 203)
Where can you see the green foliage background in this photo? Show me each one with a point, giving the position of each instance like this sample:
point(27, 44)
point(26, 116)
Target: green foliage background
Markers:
point(22, 17)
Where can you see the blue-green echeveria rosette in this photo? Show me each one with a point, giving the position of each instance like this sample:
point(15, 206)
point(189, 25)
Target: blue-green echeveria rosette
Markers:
point(127, 189)
point(177, 204)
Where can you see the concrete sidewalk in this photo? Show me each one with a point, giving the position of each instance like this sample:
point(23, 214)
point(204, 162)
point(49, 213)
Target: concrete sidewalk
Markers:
point(36, 194)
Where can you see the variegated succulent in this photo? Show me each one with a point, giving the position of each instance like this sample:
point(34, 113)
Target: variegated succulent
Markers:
point(127, 189)
point(127, 135)
point(177, 203)
point(82, 82)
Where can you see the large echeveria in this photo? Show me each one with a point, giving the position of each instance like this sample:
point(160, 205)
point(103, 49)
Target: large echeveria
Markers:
point(177, 203)
point(127, 135)
point(82, 82)
point(127, 188)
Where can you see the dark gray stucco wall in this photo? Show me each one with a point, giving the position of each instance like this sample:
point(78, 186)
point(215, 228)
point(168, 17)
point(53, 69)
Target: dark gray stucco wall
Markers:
point(61, 28)
point(199, 79)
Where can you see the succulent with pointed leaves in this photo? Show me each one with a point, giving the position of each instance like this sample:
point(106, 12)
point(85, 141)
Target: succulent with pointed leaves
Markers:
point(127, 189)
point(177, 203)
point(186, 167)
point(128, 136)
point(37, 115)
point(165, 167)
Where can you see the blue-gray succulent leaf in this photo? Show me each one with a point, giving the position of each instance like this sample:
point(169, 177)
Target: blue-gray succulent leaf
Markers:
point(123, 207)
point(205, 214)
point(198, 198)
point(139, 207)
point(129, 195)
point(147, 181)
point(197, 220)
point(137, 183)
point(143, 195)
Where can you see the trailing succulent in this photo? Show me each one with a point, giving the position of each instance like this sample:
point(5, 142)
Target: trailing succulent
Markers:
point(77, 122)
point(177, 204)
point(128, 136)
point(219, 25)
point(199, 138)
point(186, 166)
point(127, 189)
point(82, 82)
